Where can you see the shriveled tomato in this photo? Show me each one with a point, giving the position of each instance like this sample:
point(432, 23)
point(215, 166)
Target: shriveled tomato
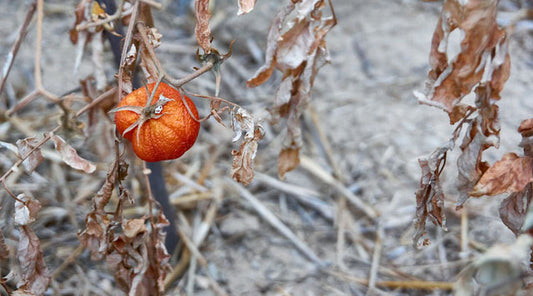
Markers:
point(165, 130)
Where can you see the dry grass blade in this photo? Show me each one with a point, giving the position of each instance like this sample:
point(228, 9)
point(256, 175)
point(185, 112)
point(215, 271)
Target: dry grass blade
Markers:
point(378, 247)
point(266, 214)
point(20, 37)
point(306, 196)
point(410, 285)
point(326, 177)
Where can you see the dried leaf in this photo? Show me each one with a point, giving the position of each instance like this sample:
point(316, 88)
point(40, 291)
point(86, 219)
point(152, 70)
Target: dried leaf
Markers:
point(246, 6)
point(514, 208)
point(295, 46)
point(526, 128)
point(133, 227)
point(274, 34)
point(469, 164)
point(288, 160)
point(511, 174)
point(459, 112)
point(202, 31)
point(483, 132)
point(241, 122)
point(34, 158)
point(79, 14)
point(71, 157)
point(430, 196)
point(26, 209)
point(154, 37)
point(131, 56)
point(93, 237)
point(35, 277)
point(483, 57)
point(242, 169)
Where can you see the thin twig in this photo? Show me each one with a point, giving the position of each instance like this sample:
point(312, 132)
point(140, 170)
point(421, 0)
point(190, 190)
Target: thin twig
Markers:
point(118, 14)
point(192, 248)
point(96, 101)
point(71, 258)
point(341, 228)
point(38, 45)
point(20, 37)
point(23, 102)
point(179, 269)
point(4, 177)
point(464, 233)
point(126, 46)
point(141, 28)
point(153, 3)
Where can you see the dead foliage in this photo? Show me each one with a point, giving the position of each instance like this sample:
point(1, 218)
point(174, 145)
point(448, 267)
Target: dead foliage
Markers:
point(296, 46)
point(481, 68)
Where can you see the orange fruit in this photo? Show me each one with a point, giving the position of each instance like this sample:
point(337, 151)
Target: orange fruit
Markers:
point(164, 133)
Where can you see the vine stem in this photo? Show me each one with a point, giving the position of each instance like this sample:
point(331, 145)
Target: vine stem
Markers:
point(177, 83)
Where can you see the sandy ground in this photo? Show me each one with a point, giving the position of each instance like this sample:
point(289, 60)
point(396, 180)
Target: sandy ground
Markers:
point(364, 104)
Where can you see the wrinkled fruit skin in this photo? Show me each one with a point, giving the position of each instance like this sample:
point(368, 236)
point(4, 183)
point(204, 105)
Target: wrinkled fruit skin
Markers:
point(164, 138)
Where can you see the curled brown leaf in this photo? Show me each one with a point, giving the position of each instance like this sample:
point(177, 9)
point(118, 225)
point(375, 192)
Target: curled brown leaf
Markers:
point(71, 157)
point(430, 196)
point(511, 174)
point(514, 208)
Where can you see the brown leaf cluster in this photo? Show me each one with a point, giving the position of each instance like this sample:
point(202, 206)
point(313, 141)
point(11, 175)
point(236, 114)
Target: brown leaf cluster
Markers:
point(481, 67)
point(483, 57)
point(135, 253)
point(296, 46)
point(139, 264)
point(512, 174)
